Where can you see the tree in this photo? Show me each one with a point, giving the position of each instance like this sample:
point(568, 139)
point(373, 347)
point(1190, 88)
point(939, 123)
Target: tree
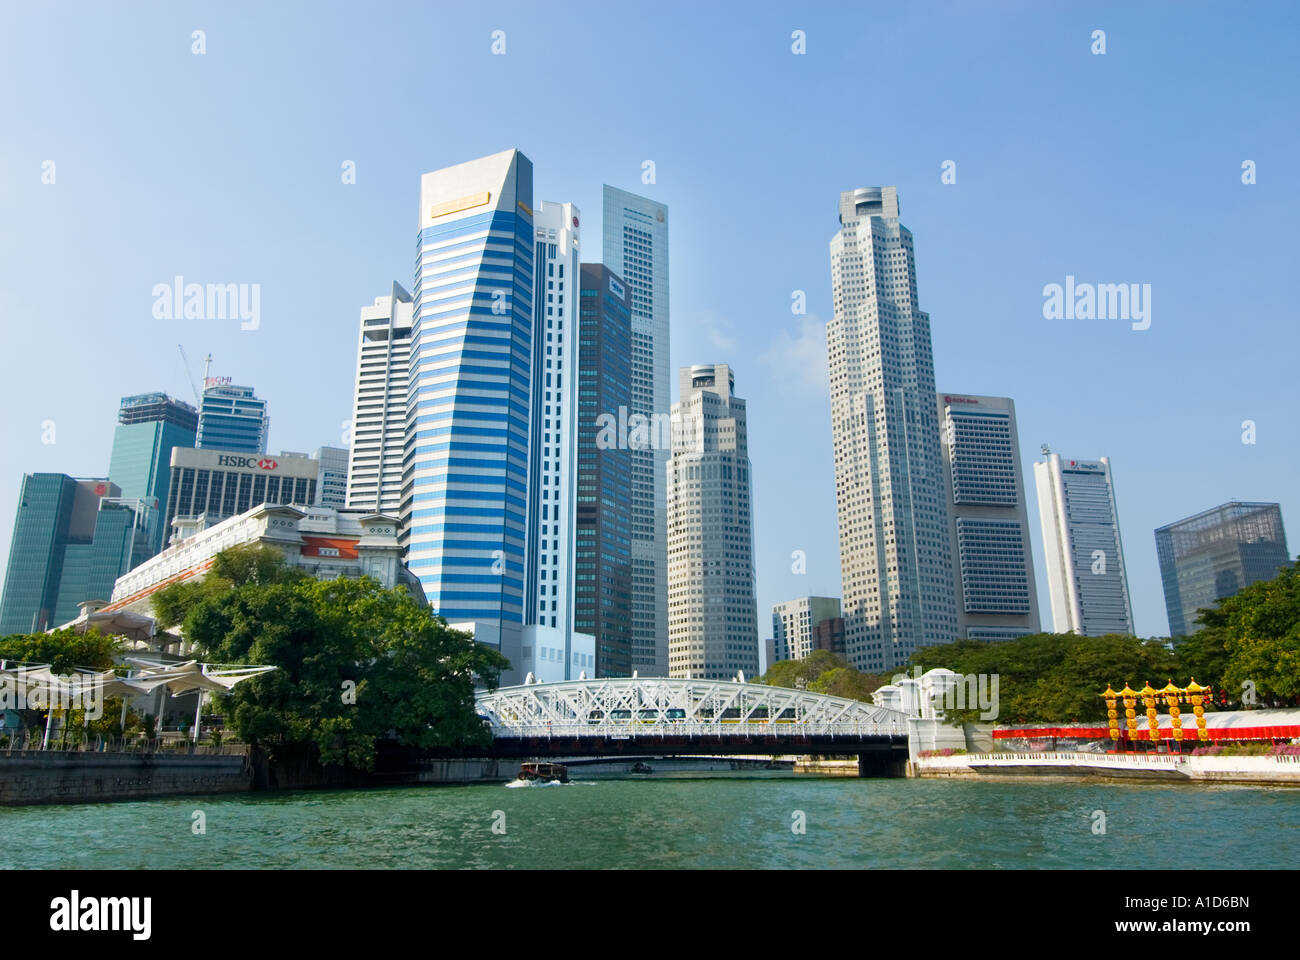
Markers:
point(356, 663)
point(1259, 629)
point(1049, 677)
point(236, 566)
point(63, 650)
point(823, 672)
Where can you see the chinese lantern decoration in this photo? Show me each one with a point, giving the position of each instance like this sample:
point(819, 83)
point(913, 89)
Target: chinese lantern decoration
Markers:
point(1149, 694)
point(1172, 697)
point(1196, 693)
point(1112, 715)
point(1130, 715)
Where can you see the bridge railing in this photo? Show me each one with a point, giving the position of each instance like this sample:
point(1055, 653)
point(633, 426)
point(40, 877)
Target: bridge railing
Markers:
point(682, 728)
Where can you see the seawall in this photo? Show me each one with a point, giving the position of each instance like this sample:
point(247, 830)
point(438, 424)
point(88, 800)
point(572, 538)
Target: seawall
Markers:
point(1270, 770)
point(53, 776)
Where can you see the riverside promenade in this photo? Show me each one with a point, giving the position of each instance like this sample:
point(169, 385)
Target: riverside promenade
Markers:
point(1272, 770)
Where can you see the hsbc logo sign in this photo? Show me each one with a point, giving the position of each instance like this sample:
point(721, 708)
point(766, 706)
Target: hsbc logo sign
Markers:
point(264, 463)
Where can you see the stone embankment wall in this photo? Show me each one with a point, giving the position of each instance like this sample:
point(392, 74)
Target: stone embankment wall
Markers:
point(53, 776)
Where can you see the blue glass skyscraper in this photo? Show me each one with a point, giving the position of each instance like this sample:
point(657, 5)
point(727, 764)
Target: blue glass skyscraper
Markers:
point(231, 418)
point(149, 426)
point(465, 477)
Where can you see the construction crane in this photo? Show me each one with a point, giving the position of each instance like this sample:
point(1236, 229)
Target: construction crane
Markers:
point(189, 376)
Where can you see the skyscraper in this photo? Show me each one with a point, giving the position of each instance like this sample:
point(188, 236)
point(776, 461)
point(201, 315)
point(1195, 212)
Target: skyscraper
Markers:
point(712, 618)
point(603, 556)
point(231, 418)
point(636, 248)
point(379, 404)
point(548, 644)
point(149, 426)
point(795, 625)
point(993, 562)
point(331, 475)
point(465, 476)
point(895, 547)
point(1082, 547)
point(72, 539)
point(217, 484)
point(1216, 554)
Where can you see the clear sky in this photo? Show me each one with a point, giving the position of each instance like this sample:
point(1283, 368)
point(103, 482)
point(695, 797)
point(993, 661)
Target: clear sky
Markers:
point(226, 167)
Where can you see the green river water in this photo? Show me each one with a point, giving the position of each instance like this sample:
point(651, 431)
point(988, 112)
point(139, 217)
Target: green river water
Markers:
point(677, 822)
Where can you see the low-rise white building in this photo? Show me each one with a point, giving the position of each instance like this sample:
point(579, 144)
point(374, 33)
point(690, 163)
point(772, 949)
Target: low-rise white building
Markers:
point(327, 543)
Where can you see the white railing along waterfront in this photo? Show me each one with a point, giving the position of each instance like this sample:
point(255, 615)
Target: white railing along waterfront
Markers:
point(681, 728)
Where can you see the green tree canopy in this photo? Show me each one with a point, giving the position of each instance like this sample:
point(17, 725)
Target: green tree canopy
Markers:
point(824, 672)
point(63, 650)
point(1259, 630)
point(1052, 677)
point(357, 663)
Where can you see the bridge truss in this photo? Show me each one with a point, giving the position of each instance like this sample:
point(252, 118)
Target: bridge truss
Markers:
point(644, 707)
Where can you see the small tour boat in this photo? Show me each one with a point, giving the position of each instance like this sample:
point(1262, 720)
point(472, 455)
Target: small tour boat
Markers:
point(642, 767)
point(544, 771)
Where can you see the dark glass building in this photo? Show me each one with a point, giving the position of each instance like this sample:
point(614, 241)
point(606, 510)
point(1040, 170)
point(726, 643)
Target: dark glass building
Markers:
point(603, 554)
point(1215, 554)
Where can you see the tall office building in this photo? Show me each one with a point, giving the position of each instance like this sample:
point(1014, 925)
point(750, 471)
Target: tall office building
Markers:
point(331, 475)
point(465, 476)
point(217, 484)
point(549, 648)
point(379, 404)
point(149, 426)
point(895, 549)
point(1082, 547)
point(603, 515)
point(712, 618)
point(231, 418)
point(636, 248)
point(72, 539)
point(1216, 554)
point(993, 562)
point(795, 625)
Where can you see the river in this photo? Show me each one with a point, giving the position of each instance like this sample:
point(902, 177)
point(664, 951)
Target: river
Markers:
point(678, 822)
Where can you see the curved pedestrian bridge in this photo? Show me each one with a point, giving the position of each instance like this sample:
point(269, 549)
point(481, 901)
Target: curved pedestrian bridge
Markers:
point(682, 716)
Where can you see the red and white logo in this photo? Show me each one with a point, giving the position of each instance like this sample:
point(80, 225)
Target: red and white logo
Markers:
point(267, 464)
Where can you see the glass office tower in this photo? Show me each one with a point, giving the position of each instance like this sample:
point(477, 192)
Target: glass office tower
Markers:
point(603, 516)
point(231, 418)
point(1214, 555)
point(72, 539)
point(993, 564)
point(1082, 549)
point(149, 426)
point(465, 472)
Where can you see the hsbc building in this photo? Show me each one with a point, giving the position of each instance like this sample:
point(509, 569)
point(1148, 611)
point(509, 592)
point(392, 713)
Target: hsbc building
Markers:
point(226, 483)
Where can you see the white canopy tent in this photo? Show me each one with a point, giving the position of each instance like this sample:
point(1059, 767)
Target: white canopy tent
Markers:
point(36, 682)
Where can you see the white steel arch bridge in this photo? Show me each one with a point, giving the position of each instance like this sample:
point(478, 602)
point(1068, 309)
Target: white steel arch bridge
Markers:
point(623, 715)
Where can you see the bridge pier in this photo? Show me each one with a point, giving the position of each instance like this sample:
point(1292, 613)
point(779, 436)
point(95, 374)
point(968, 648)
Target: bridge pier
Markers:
point(882, 763)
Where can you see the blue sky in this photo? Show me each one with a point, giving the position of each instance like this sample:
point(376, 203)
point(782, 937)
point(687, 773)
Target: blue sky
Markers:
point(1121, 168)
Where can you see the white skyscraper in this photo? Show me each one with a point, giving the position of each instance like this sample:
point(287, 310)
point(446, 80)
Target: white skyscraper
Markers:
point(895, 549)
point(636, 248)
point(712, 619)
point(988, 517)
point(794, 625)
point(1082, 547)
point(374, 473)
point(551, 651)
